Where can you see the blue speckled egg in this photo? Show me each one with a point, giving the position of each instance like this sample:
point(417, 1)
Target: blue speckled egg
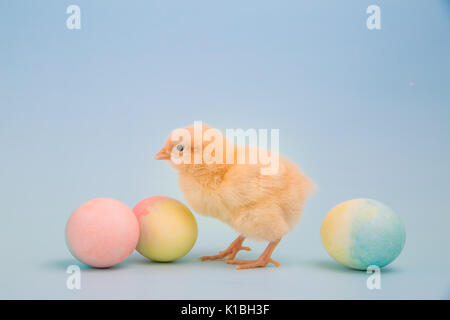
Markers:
point(363, 232)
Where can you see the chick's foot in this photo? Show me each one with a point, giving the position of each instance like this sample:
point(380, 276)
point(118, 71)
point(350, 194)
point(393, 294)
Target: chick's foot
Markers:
point(262, 261)
point(229, 252)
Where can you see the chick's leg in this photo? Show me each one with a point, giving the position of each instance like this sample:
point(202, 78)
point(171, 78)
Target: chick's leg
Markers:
point(229, 252)
point(262, 261)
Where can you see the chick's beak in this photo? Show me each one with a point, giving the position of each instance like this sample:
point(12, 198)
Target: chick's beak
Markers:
point(162, 155)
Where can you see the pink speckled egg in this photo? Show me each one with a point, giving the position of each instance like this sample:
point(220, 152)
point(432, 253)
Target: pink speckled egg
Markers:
point(102, 232)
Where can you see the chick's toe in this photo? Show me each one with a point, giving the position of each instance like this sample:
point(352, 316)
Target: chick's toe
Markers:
point(230, 252)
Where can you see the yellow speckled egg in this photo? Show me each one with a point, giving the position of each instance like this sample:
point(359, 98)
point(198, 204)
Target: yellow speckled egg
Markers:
point(168, 229)
point(363, 232)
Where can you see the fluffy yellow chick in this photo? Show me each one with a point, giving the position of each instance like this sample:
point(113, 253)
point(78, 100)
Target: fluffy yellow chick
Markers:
point(234, 190)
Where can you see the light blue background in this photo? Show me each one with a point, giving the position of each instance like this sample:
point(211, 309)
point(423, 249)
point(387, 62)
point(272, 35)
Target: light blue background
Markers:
point(84, 111)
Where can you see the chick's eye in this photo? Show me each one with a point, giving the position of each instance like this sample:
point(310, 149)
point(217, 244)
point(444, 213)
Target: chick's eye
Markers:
point(180, 147)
